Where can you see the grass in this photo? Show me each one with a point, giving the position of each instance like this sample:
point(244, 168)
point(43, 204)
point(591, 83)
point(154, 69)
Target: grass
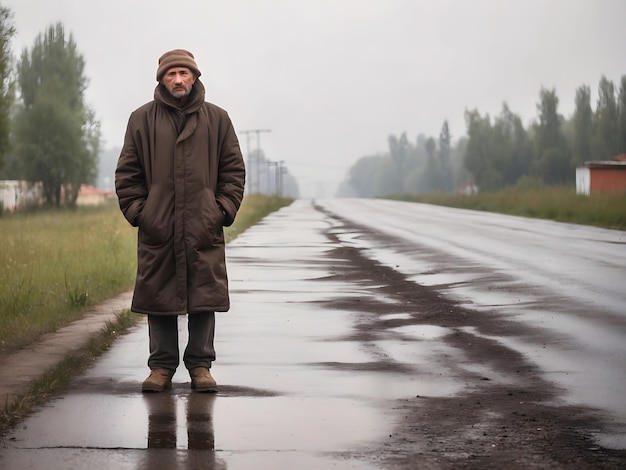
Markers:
point(555, 203)
point(55, 265)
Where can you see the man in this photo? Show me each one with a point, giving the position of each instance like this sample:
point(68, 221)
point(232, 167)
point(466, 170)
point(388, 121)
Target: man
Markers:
point(180, 180)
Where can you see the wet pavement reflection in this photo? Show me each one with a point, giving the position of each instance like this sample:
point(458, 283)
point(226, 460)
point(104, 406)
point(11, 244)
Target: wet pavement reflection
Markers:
point(196, 434)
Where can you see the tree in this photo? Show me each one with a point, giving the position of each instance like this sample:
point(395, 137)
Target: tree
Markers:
point(362, 174)
point(479, 160)
point(605, 133)
point(552, 162)
point(511, 146)
point(497, 155)
point(7, 31)
point(399, 148)
point(461, 175)
point(437, 175)
point(57, 135)
point(583, 126)
point(445, 150)
point(621, 108)
point(386, 178)
point(413, 173)
point(400, 152)
point(431, 177)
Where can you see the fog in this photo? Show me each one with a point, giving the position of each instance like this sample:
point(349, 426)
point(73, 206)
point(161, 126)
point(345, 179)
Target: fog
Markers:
point(332, 79)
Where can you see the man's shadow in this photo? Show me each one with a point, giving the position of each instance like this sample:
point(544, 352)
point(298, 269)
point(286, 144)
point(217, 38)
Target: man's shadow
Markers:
point(163, 428)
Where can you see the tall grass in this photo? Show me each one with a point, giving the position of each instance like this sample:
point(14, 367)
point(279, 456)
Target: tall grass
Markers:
point(555, 203)
point(55, 265)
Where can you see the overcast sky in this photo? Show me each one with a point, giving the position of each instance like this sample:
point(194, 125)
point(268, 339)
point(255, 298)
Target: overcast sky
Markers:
point(333, 79)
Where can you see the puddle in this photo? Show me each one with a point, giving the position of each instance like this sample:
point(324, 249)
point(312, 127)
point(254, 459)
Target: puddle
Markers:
point(293, 460)
point(396, 316)
point(442, 279)
point(421, 331)
point(354, 239)
point(308, 424)
point(614, 440)
point(168, 459)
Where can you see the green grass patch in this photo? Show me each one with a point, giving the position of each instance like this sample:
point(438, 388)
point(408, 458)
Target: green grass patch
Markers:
point(555, 203)
point(57, 264)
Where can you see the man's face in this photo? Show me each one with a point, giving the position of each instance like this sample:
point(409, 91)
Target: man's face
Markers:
point(178, 81)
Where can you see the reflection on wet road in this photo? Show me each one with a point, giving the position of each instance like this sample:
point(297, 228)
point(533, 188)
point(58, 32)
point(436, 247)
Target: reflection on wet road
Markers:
point(307, 383)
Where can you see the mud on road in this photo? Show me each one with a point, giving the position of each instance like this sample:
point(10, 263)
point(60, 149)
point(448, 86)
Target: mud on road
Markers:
point(509, 417)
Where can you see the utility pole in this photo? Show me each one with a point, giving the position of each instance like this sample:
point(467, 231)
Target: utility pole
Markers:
point(279, 170)
point(279, 178)
point(271, 164)
point(258, 153)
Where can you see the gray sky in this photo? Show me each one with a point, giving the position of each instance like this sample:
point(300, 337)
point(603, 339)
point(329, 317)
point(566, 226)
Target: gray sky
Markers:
point(333, 79)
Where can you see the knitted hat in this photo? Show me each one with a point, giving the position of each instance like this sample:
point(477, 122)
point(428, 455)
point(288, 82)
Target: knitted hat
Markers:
point(177, 58)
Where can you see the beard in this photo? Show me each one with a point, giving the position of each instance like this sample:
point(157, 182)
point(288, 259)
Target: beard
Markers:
point(180, 94)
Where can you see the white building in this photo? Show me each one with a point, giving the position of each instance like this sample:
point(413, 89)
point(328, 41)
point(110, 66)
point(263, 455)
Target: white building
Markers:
point(18, 194)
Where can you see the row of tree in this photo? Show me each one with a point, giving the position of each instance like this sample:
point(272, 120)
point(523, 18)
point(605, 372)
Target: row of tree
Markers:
point(429, 165)
point(47, 132)
point(500, 152)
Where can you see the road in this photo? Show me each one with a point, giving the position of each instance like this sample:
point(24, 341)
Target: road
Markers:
point(372, 334)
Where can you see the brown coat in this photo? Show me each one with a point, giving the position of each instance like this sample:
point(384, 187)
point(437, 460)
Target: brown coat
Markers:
point(180, 179)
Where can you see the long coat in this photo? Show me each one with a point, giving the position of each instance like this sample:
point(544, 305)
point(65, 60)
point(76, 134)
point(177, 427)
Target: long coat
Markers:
point(180, 179)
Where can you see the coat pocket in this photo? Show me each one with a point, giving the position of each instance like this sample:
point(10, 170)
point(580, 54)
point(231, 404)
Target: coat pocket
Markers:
point(210, 229)
point(156, 220)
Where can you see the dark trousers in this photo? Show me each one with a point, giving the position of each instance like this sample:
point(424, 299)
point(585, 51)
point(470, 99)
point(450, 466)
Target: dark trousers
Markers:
point(163, 332)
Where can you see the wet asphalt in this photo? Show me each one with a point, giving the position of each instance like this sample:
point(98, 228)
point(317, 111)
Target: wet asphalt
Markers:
point(279, 404)
point(276, 408)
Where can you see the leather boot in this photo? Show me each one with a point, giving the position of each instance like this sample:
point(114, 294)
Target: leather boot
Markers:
point(201, 380)
point(158, 380)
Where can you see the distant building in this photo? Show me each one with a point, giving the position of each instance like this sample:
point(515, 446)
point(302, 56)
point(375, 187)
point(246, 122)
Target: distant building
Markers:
point(608, 176)
point(16, 195)
point(92, 196)
point(467, 189)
